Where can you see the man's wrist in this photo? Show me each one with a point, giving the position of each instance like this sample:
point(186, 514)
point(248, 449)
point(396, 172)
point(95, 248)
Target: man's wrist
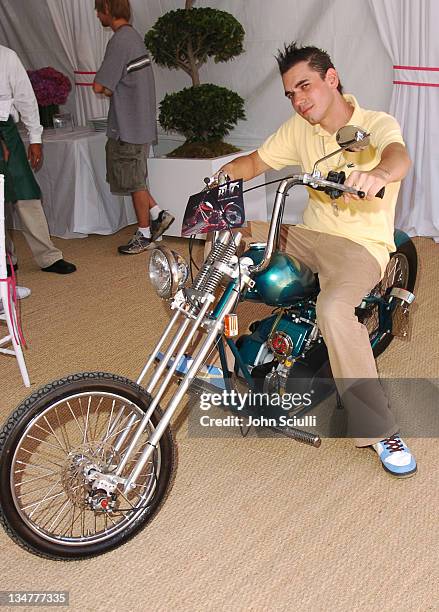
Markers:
point(227, 170)
point(35, 134)
point(383, 173)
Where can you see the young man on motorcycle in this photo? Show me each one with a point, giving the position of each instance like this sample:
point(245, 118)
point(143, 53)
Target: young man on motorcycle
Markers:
point(347, 243)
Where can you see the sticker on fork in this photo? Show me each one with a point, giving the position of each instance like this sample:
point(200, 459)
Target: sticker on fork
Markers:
point(231, 325)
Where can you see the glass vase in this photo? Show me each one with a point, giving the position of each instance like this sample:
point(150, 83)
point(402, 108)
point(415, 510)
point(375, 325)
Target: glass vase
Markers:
point(47, 113)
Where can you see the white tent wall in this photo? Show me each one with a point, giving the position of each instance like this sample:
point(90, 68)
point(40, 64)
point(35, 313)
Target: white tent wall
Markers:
point(84, 41)
point(27, 28)
point(346, 28)
point(415, 103)
point(64, 34)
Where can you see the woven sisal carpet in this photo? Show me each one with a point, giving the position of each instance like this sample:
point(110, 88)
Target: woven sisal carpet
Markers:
point(251, 524)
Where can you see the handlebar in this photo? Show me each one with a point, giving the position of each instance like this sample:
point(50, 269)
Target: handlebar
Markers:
point(281, 193)
point(334, 185)
point(220, 178)
point(331, 186)
point(315, 182)
point(334, 188)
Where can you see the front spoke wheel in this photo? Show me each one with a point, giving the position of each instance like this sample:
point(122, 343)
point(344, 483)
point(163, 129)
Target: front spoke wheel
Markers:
point(60, 455)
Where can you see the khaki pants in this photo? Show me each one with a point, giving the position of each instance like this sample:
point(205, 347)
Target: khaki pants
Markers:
point(36, 233)
point(347, 272)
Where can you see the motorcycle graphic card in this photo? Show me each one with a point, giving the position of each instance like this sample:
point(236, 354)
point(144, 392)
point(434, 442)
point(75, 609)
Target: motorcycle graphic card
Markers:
point(215, 209)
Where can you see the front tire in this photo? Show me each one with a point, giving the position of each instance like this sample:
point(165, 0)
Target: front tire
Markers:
point(48, 444)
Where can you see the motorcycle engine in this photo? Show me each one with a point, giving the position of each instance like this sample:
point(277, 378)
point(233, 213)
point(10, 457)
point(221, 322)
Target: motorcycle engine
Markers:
point(285, 353)
point(279, 338)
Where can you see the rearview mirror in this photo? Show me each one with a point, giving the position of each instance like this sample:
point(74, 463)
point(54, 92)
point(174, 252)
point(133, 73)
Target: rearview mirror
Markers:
point(352, 138)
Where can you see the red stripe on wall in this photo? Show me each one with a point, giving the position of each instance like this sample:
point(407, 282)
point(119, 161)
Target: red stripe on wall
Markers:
point(415, 68)
point(80, 72)
point(417, 84)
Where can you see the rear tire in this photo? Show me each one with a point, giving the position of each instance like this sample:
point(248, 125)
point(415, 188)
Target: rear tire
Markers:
point(52, 439)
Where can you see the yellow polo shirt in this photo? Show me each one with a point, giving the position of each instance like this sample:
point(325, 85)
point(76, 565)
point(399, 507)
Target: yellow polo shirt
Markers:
point(367, 222)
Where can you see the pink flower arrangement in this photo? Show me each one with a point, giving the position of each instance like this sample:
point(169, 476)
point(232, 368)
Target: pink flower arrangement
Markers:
point(50, 86)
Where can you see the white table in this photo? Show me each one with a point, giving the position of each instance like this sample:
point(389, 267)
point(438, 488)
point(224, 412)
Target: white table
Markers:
point(76, 198)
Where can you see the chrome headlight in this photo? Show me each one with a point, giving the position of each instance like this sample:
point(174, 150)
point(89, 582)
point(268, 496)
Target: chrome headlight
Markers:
point(168, 271)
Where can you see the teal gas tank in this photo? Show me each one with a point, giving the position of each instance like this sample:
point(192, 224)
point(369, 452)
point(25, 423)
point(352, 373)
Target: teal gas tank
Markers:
point(284, 282)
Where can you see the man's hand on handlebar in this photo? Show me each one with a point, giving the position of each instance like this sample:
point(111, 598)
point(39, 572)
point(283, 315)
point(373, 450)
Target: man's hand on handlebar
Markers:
point(227, 170)
point(370, 182)
point(219, 178)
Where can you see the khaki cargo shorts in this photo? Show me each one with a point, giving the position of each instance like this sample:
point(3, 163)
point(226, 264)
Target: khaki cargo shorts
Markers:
point(126, 166)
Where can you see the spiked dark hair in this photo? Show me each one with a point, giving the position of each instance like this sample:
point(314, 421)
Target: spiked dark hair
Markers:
point(318, 59)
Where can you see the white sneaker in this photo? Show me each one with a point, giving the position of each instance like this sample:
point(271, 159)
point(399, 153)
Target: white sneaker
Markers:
point(22, 292)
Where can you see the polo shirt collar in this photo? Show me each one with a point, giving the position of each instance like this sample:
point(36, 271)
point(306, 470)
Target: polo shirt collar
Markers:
point(356, 119)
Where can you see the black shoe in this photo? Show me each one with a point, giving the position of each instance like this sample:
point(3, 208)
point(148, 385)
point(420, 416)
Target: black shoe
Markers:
point(8, 268)
point(60, 267)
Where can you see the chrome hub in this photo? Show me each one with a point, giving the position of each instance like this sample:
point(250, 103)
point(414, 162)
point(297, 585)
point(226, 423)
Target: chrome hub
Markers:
point(86, 477)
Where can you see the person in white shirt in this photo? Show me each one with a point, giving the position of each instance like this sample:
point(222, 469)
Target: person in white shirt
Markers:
point(17, 101)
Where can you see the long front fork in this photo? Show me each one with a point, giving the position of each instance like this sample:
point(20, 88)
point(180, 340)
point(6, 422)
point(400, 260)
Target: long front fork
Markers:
point(215, 327)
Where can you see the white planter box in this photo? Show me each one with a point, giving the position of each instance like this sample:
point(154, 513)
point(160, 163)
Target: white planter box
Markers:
point(173, 181)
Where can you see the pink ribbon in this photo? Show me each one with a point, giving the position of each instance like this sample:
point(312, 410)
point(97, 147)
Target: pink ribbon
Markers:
point(82, 83)
point(424, 76)
point(13, 303)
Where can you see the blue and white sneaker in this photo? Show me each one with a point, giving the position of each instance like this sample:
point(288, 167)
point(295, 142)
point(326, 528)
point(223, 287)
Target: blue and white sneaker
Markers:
point(396, 457)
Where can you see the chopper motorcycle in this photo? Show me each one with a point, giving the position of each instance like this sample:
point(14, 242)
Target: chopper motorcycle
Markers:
point(86, 461)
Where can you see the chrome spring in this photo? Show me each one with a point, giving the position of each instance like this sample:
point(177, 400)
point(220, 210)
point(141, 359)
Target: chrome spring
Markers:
point(216, 276)
point(222, 251)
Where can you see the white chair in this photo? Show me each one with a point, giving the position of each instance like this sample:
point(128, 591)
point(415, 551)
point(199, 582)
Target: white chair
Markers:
point(9, 314)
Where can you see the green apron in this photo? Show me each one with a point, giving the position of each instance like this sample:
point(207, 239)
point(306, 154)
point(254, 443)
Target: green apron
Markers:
point(20, 183)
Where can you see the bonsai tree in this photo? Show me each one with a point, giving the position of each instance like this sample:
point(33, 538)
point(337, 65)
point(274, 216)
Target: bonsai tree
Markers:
point(204, 113)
